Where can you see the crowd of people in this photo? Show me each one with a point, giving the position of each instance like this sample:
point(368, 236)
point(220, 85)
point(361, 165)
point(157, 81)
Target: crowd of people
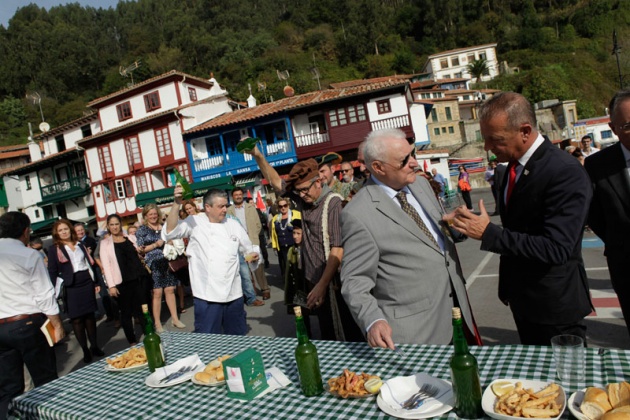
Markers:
point(371, 255)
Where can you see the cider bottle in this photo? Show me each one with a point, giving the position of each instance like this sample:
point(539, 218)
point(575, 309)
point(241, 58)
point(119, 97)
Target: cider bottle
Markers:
point(464, 374)
point(306, 359)
point(152, 342)
point(187, 192)
point(248, 144)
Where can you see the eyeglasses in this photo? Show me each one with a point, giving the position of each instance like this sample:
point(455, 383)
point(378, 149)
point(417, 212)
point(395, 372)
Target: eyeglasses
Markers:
point(405, 161)
point(301, 191)
point(347, 170)
point(283, 206)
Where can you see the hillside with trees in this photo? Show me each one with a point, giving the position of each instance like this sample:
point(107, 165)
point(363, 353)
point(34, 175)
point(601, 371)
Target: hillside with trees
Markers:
point(72, 54)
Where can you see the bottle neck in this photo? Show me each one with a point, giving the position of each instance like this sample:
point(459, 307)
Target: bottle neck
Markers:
point(148, 328)
point(459, 339)
point(302, 335)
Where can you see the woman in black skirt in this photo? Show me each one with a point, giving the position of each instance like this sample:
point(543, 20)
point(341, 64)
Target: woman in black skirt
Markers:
point(123, 272)
point(69, 260)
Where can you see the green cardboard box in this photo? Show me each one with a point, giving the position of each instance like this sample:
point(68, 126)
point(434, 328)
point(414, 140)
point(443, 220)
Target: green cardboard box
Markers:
point(245, 375)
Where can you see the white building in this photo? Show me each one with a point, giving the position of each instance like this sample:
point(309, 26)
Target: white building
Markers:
point(453, 64)
point(597, 128)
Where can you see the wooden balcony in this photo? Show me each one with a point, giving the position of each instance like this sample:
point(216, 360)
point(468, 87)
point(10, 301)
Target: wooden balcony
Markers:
point(65, 190)
point(401, 121)
point(311, 139)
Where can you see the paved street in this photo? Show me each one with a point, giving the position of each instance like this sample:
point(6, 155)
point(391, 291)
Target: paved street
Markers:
point(605, 328)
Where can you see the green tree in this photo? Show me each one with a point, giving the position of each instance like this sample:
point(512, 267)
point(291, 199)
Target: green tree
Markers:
point(477, 69)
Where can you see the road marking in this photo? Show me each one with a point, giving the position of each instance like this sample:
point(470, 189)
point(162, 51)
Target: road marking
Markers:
point(473, 276)
point(596, 268)
point(592, 243)
point(606, 304)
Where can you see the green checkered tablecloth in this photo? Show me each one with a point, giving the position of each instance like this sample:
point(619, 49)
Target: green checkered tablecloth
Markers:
point(93, 393)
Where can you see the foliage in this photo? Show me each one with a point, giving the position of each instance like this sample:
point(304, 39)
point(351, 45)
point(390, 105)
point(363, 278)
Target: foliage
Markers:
point(71, 54)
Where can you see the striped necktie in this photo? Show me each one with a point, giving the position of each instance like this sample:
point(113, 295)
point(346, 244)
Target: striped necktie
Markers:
point(411, 212)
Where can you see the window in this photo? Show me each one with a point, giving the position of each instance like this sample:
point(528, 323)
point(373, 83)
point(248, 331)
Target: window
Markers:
point(486, 72)
point(482, 56)
point(451, 130)
point(471, 58)
point(183, 169)
point(383, 107)
point(466, 97)
point(444, 63)
point(458, 75)
point(443, 130)
point(61, 144)
point(86, 131)
point(192, 93)
point(124, 188)
point(124, 111)
point(141, 184)
point(425, 95)
point(152, 101)
point(163, 139)
point(37, 213)
point(436, 131)
point(351, 114)
point(606, 134)
point(27, 178)
point(447, 110)
point(132, 146)
point(105, 159)
point(455, 61)
point(107, 193)
point(434, 116)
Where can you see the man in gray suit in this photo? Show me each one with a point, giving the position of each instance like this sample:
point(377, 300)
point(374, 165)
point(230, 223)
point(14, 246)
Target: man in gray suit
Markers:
point(400, 272)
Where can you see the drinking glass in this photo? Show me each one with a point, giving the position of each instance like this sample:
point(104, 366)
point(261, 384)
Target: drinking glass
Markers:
point(569, 357)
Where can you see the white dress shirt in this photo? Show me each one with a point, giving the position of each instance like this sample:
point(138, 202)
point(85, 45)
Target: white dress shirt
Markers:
point(77, 258)
point(213, 251)
point(522, 162)
point(25, 286)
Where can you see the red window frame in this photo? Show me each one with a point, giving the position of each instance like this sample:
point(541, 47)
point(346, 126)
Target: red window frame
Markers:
point(163, 143)
point(124, 111)
point(192, 93)
point(105, 159)
point(132, 147)
point(152, 101)
point(142, 185)
point(183, 170)
point(384, 106)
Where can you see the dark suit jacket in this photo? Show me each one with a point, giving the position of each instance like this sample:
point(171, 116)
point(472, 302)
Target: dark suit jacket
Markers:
point(609, 215)
point(65, 269)
point(541, 274)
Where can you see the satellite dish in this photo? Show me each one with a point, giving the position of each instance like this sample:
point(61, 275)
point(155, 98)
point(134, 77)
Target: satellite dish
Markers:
point(44, 127)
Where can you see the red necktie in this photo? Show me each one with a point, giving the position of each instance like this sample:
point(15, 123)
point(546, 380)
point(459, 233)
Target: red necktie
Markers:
point(511, 180)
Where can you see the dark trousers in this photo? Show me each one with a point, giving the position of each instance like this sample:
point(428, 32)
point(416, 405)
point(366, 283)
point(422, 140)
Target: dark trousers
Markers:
point(22, 342)
point(351, 330)
point(130, 300)
point(220, 318)
point(467, 199)
point(282, 259)
point(263, 245)
point(619, 274)
point(540, 334)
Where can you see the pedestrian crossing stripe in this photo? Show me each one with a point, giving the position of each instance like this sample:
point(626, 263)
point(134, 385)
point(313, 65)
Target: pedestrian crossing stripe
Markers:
point(606, 304)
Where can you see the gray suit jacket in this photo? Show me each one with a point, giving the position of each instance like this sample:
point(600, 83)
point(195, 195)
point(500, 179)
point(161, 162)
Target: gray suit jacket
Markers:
point(392, 270)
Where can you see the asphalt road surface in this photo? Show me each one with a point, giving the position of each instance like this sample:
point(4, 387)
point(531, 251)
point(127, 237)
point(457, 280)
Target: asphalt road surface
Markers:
point(605, 327)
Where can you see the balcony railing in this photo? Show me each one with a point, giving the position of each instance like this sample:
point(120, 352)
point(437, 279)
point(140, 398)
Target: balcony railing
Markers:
point(311, 139)
point(235, 159)
point(395, 122)
point(66, 188)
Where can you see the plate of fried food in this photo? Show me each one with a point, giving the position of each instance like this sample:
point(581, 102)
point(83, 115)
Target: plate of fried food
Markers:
point(509, 398)
point(354, 385)
point(594, 403)
point(133, 359)
point(212, 375)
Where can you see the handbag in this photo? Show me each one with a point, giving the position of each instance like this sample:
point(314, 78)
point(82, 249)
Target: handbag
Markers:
point(178, 263)
point(464, 185)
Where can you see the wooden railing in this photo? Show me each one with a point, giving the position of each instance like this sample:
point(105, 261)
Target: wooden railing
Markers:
point(69, 185)
point(311, 139)
point(395, 122)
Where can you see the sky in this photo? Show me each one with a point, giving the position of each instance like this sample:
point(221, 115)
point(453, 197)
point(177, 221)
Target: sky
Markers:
point(9, 7)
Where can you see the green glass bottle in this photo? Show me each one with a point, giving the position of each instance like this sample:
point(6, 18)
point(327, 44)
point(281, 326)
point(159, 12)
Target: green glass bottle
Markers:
point(187, 192)
point(306, 359)
point(464, 374)
point(248, 144)
point(152, 342)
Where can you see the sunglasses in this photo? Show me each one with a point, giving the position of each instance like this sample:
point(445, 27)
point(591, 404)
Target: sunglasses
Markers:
point(405, 161)
point(347, 170)
point(305, 190)
point(282, 206)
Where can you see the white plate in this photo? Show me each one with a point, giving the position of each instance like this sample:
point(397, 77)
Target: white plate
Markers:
point(110, 368)
point(433, 407)
point(489, 399)
point(153, 380)
point(196, 382)
point(574, 404)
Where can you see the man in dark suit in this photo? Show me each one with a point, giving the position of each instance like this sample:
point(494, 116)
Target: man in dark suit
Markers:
point(543, 208)
point(609, 215)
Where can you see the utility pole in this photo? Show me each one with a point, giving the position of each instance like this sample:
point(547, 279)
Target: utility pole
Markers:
point(616, 50)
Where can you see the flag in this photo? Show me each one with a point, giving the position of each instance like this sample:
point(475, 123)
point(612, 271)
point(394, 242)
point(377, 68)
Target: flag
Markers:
point(426, 167)
point(260, 204)
point(249, 194)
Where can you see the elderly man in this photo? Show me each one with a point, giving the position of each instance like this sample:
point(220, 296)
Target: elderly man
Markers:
point(28, 299)
point(321, 253)
point(400, 274)
point(543, 207)
point(347, 172)
point(609, 215)
point(248, 216)
point(213, 254)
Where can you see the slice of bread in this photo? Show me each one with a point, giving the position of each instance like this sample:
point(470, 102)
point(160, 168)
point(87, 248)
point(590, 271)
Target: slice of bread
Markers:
point(618, 394)
point(595, 403)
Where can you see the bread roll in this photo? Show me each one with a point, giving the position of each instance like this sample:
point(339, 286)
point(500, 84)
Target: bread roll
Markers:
point(595, 403)
point(621, 413)
point(618, 394)
point(220, 375)
point(203, 377)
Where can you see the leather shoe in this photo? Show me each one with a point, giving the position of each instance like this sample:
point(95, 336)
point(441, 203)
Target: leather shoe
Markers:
point(266, 294)
point(257, 302)
point(97, 352)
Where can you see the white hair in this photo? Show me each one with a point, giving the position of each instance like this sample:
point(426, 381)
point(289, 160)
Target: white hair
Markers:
point(375, 145)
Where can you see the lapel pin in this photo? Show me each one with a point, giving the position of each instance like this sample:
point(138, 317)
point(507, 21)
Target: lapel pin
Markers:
point(526, 172)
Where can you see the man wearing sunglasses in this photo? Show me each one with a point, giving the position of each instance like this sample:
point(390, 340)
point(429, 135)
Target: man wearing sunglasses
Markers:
point(321, 254)
point(609, 215)
point(400, 274)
